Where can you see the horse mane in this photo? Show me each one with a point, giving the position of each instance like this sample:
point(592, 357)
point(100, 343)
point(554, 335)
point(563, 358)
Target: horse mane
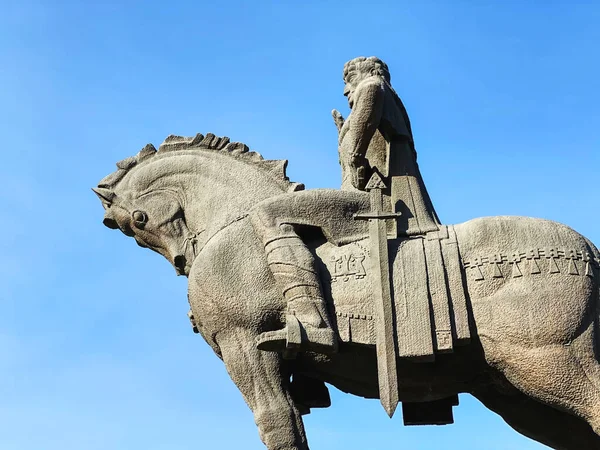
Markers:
point(238, 150)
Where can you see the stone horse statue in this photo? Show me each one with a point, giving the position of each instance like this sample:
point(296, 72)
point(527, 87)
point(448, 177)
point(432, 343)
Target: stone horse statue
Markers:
point(530, 293)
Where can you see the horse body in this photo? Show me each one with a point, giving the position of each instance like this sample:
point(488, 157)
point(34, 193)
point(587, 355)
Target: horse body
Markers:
point(547, 299)
point(224, 296)
point(531, 285)
point(525, 325)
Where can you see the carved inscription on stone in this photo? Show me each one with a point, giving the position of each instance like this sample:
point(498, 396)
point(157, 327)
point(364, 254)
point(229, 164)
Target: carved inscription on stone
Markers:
point(346, 266)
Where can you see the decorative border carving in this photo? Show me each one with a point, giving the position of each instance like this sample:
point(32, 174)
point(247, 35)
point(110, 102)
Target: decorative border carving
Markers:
point(534, 256)
point(354, 316)
point(356, 328)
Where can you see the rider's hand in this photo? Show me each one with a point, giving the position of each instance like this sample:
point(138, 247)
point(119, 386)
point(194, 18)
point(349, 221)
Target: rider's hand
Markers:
point(358, 165)
point(357, 161)
point(338, 119)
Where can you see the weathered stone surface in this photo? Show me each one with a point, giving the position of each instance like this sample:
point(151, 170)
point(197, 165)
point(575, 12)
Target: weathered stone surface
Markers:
point(293, 290)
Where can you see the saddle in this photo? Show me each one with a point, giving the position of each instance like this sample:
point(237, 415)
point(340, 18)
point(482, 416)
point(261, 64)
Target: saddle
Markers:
point(430, 302)
point(431, 312)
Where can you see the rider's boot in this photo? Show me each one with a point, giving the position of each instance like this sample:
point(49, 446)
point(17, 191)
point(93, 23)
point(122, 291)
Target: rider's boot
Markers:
point(307, 322)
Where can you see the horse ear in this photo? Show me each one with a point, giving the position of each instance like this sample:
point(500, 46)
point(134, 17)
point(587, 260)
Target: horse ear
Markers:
point(106, 196)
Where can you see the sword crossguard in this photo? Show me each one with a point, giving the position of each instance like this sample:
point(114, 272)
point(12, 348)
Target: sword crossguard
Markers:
point(377, 215)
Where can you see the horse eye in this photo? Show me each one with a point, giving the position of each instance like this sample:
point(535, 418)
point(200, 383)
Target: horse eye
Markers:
point(139, 218)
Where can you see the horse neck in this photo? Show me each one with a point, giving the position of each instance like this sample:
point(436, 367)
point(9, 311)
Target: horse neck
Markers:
point(217, 189)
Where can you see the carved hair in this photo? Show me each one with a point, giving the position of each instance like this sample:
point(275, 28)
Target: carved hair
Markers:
point(372, 65)
point(199, 142)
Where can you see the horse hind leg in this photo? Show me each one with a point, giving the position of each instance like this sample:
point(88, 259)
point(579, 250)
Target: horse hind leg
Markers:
point(540, 422)
point(566, 377)
point(585, 350)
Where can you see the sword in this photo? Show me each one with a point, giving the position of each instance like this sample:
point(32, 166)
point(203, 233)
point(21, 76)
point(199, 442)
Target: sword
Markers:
point(383, 304)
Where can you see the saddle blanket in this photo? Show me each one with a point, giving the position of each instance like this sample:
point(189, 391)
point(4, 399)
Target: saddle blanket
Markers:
point(430, 304)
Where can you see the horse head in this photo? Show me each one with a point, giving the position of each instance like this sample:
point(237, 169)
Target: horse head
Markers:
point(174, 199)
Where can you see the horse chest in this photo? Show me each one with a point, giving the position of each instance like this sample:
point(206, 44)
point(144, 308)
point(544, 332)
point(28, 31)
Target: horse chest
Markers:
point(231, 284)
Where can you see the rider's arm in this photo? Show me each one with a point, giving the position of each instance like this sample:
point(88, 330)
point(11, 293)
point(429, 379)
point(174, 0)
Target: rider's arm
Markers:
point(366, 115)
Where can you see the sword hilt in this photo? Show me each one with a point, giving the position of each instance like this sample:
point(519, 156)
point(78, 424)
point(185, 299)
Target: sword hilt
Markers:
point(375, 187)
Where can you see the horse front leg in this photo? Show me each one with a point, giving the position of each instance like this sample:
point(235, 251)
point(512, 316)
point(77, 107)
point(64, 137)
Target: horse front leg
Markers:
point(264, 382)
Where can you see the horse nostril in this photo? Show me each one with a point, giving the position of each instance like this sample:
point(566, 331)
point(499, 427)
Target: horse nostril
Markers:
point(111, 223)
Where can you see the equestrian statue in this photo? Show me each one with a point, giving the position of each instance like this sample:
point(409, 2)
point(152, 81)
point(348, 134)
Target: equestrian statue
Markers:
point(363, 287)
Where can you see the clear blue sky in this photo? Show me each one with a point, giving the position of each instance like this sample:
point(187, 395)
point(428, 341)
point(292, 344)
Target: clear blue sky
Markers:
point(96, 351)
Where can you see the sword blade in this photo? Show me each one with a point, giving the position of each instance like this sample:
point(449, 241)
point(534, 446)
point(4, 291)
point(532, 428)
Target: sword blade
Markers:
point(384, 312)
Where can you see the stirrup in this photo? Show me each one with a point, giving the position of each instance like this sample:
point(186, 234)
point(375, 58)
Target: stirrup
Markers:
point(295, 337)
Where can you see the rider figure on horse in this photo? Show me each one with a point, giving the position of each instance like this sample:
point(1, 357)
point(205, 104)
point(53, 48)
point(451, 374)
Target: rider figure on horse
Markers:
point(377, 115)
point(376, 136)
